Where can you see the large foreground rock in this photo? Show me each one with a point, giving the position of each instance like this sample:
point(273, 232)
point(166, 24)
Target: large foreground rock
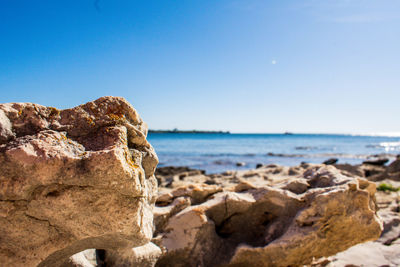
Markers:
point(287, 222)
point(72, 180)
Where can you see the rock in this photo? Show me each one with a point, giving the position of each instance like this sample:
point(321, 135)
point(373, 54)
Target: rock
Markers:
point(383, 252)
point(272, 226)
point(370, 254)
point(298, 186)
point(391, 172)
point(240, 164)
point(210, 182)
point(87, 258)
point(172, 177)
point(259, 165)
point(376, 162)
point(273, 166)
point(394, 166)
point(72, 180)
point(243, 186)
point(162, 214)
point(304, 164)
point(330, 161)
point(173, 170)
point(389, 200)
point(372, 172)
point(391, 230)
point(6, 132)
point(350, 169)
point(369, 171)
point(144, 256)
point(196, 193)
point(164, 199)
point(250, 174)
point(294, 171)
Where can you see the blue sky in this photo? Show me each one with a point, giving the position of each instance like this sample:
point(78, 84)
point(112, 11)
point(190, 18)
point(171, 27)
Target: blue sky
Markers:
point(244, 66)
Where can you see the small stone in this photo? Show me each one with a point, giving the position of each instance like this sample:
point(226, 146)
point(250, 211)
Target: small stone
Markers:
point(330, 161)
point(376, 162)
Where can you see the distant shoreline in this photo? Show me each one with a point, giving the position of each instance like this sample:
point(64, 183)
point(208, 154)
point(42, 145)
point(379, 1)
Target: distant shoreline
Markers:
point(174, 131)
point(189, 131)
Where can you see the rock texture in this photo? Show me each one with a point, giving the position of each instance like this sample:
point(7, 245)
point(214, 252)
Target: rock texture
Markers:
point(144, 256)
point(73, 179)
point(87, 258)
point(374, 170)
point(272, 216)
point(383, 252)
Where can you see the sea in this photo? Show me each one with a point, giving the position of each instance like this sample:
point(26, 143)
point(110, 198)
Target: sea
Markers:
point(220, 152)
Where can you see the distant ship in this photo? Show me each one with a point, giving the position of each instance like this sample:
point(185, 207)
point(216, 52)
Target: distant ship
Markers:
point(288, 133)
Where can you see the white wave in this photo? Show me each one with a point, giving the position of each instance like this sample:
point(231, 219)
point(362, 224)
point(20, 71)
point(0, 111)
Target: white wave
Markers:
point(390, 146)
point(383, 134)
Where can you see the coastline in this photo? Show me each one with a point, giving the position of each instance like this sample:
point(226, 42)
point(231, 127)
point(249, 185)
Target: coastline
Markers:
point(375, 169)
point(221, 152)
point(86, 170)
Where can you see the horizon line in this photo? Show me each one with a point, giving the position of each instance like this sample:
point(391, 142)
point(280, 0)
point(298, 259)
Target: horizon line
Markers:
point(376, 134)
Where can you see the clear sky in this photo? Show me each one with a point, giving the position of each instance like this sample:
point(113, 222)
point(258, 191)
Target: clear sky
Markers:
point(243, 66)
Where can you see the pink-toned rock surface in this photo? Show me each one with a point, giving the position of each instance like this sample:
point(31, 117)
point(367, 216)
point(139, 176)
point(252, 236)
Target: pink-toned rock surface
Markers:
point(73, 179)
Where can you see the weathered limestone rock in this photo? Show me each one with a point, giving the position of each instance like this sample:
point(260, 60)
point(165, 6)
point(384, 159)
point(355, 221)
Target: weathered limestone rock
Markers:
point(144, 256)
point(72, 180)
point(87, 258)
point(383, 252)
point(374, 170)
point(371, 254)
point(393, 171)
point(319, 214)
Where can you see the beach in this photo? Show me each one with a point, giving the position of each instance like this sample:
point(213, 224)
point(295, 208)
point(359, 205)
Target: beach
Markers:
point(182, 182)
point(84, 187)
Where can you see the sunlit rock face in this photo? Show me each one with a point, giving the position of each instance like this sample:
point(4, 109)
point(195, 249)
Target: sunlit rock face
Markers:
point(316, 213)
point(73, 179)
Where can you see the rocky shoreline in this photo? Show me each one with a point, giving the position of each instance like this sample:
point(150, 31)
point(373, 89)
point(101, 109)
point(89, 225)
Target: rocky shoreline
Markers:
point(79, 188)
point(299, 179)
point(216, 219)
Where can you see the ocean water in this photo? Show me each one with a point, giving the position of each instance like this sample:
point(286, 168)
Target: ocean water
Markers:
point(220, 152)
